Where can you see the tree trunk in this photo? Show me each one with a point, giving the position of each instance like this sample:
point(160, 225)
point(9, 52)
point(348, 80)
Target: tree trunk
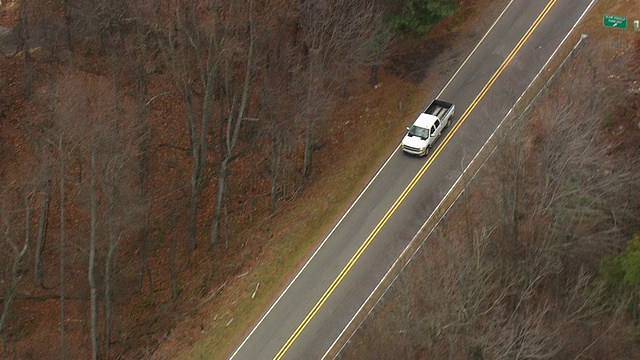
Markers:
point(198, 147)
point(184, 56)
point(144, 156)
point(308, 145)
point(345, 80)
point(17, 256)
point(308, 151)
point(42, 230)
point(113, 243)
point(144, 266)
point(92, 256)
point(67, 23)
point(193, 210)
point(107, 299)
point(373, 78)
point(62, 241)
point(173, 272)
point(234, 122)
point(310, 118)
point(217, 209)
point(27, 71)
point(275, 171)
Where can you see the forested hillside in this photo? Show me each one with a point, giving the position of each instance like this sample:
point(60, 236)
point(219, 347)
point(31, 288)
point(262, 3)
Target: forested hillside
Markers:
point(147, 147)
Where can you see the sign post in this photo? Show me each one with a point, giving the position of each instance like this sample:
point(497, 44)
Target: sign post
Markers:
point(613, 21)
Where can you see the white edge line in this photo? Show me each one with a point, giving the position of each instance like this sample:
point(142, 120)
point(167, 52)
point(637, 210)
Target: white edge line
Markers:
point(448, 192)
point(474, 49)
point(447, 195)
point(437, 96)
point(365, 189)
point(314, 254)
point(359, 196)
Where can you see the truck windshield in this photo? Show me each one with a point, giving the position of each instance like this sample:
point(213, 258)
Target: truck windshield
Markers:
point(418, 131)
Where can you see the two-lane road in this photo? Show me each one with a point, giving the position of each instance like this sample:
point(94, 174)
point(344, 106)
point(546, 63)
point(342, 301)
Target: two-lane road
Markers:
point(328, 291)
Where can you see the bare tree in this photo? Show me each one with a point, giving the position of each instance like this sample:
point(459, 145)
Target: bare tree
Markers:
point(189, 44)
point(139, 51)
point(92, 252)
point(280, 108)
point(235, 113)
point(96, 121)
point(45, 189)
point(67, 22)
point(335, 34)
point(25, 46)
point(17, 243)
point(62, 246)
point(378, 45)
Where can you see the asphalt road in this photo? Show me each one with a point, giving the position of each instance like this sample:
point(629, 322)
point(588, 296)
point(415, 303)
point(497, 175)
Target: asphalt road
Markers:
point(324, 296)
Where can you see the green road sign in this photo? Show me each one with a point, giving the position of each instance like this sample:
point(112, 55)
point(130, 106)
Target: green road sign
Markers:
point(615, 21)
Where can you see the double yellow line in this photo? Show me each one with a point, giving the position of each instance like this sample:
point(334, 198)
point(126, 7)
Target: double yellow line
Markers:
point(411, 185)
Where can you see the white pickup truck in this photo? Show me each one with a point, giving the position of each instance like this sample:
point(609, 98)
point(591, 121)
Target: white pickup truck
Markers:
point(427, 128)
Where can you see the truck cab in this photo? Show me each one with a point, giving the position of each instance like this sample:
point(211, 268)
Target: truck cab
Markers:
point(422, 134)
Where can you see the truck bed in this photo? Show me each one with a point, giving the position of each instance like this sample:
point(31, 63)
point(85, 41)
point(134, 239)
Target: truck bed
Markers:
point(438, 108)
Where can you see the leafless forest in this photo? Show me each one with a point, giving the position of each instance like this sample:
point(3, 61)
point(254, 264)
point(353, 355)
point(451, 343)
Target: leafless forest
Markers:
point(517, 268)
point(138, 139)
point(126, 126)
